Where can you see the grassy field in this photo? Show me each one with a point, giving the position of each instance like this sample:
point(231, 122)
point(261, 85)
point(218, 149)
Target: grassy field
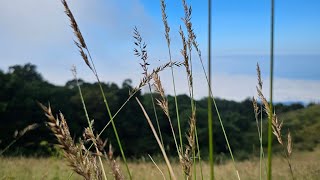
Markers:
point(306, 165)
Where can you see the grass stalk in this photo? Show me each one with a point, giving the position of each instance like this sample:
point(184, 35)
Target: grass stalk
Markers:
point(115, 130)
point(210, 131)
point(167, 35)
point(88, 121)
point(158, 140)
point(164, 105)
point(81, 44)
point(155, 113)
point(271, 93)
point(144, 81)
point(157, 166)
point(217, 110)
point(142, 53)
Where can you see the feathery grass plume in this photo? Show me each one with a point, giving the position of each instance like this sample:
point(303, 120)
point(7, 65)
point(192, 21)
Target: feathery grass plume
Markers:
point(186, 159)
point(158, 140)
point(186, 162)
point(167, 35)
point(18, 134)
point(184, 53)
point(80, 43)
point(188, 23)
point(163, 103)
point(165, 22)
point(276, 128)
point(276, 125)
point(142, 53)
point(187, 58)
point(114, 165)
point(84, 165)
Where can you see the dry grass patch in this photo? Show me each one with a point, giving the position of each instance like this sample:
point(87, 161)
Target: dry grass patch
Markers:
point(306, 165)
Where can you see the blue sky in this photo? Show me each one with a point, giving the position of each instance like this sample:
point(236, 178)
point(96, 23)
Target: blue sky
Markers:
point(37, 31)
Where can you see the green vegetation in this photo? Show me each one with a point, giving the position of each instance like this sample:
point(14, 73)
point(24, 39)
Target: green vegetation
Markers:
point(23, 86)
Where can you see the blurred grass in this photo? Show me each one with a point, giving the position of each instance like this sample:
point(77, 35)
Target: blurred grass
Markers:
point(306, 165)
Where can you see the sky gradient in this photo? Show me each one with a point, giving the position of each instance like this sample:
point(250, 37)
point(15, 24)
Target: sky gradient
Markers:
point(38, 31)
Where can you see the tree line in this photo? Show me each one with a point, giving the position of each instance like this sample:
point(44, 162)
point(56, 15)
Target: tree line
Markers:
point(21, 87)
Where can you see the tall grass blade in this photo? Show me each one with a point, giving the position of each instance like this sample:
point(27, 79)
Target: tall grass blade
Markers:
point(271, 93)
point(158, 140)
point(209, 96)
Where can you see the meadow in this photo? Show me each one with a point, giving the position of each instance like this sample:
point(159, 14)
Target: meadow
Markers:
point(306, 167)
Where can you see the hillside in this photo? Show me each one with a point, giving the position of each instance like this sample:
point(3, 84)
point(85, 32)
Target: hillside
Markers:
point(304, 125)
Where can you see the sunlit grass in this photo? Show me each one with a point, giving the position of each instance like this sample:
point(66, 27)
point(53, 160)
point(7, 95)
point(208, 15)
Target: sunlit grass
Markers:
point(306, 166)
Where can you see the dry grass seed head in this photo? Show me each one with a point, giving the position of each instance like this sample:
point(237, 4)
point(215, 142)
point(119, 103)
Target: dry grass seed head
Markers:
point(84, 165)
point(184, 53)
point(186, 160)
point(260, 83)
point(163, 103)
point(81, 44)
point(276, 124)
point(28, 128)
point(255, 107)
point(276, 128)
point(165, 21)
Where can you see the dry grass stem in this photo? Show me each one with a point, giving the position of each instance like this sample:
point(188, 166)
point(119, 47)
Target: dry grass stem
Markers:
point(158, 140)
point(289, 145)
point(157, 166)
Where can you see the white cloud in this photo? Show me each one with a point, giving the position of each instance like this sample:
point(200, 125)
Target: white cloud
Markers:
point(240, 87)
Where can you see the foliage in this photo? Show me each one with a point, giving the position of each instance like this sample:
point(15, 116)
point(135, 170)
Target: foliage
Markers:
point(23, 86)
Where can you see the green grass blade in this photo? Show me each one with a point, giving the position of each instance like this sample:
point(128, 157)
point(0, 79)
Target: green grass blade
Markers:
point(271, 94)
point(210, 133)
